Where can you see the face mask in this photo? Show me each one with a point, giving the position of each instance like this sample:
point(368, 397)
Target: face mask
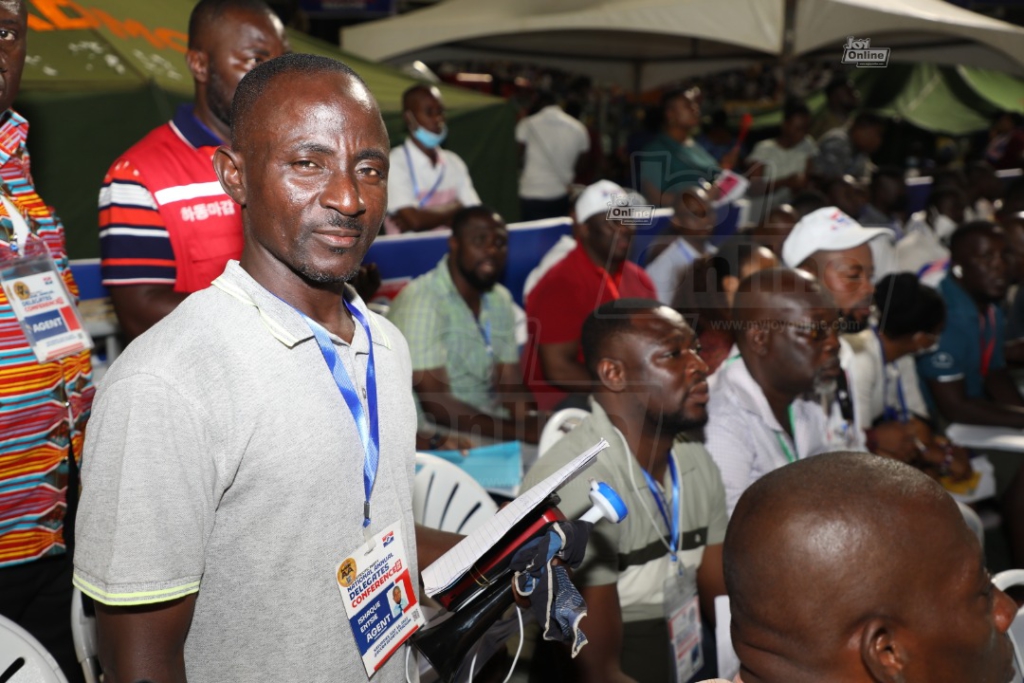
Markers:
point(944, 227)
point(429, 139)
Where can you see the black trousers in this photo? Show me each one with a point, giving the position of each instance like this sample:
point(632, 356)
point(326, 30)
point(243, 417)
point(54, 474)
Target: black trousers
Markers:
point(37, 596)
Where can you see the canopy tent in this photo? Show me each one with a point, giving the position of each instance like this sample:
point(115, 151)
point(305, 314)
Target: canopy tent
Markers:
point(637, 44)
point(932, 31)
point(643, 44)
point(101, 73)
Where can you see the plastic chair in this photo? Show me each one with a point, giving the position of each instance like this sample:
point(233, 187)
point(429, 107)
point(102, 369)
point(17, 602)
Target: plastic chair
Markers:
point(23, 659)
point(1002, 581)
point(445, 497)
point(560, 424)
point(83, 632)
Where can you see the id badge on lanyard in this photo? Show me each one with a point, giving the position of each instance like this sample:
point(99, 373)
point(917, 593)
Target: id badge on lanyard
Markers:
point(682, 612)
point(42, 304)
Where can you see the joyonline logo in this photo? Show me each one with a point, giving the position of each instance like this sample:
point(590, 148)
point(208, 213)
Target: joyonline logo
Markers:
point(858, 51)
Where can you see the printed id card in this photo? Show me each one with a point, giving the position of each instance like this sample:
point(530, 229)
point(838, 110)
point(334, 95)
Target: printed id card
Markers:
point(41, 302)
point(380, 597)
point(682, 611)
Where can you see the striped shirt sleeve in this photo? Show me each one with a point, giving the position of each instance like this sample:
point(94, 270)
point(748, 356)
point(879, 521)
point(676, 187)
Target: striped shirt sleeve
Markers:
point(135, 247)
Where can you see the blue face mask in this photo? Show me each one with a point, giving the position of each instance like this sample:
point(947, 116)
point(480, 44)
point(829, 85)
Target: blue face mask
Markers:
point(429, 139)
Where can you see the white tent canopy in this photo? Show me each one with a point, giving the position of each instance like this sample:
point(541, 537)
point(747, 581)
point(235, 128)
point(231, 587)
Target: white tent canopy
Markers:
point(641, 44)
point(916, 30)
point(634, 43)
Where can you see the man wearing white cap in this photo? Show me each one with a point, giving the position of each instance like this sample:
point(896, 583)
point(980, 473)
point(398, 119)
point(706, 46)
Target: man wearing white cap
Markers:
point(594, 272)
point(835, 248)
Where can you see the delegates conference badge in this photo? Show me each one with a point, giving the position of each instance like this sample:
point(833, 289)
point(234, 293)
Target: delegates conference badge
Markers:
point(380, 598)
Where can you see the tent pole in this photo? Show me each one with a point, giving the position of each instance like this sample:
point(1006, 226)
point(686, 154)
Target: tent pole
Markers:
point(788, 32)
point(638, 68)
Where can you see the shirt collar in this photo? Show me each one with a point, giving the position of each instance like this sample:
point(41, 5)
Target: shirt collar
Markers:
point(286, 323)
point(191, 129)
point(417, 153)
point(735, 377)
point(603, 425)
point(13, 133)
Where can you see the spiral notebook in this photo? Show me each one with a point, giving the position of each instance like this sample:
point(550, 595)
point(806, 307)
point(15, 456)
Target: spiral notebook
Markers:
point(452, 566)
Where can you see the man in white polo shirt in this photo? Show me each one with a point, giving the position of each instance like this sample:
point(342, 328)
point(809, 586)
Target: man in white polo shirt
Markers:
point(554, 143)
point(762, 414)
point(426, 184)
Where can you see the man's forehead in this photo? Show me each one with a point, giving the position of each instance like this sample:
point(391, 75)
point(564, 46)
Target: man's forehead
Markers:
point(16, 7)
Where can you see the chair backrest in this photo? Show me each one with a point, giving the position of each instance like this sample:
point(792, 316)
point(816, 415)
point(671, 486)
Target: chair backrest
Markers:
point(23, 659)
point(1004, 580)
point(83, 633)
point(558, 425)
point(445, 497)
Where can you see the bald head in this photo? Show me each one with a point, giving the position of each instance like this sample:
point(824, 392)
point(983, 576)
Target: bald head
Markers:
point(834, 561)
point(761, 295)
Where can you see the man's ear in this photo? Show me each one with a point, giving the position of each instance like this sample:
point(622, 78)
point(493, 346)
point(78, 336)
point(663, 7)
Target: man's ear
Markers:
point(883, 652)
point(759, 337)
point(612, 374)
point(229, 166)
point(199, 64)
point(453, 246)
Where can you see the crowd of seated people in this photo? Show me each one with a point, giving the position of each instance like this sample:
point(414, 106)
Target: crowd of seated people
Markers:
point(838, 334)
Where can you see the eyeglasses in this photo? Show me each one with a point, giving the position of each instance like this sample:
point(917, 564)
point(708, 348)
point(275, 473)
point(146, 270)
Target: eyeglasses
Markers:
point(814, 331)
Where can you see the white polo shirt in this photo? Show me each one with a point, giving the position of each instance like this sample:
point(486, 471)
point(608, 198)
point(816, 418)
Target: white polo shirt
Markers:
point(415, 181)
point(744, 438)
point(920, 247)
point(554, 141)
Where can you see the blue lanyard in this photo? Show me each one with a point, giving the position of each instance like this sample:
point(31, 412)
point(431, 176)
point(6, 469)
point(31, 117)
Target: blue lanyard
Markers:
point(368, 426)
point(485, 330)
point(673, 525)
point(415, 185)
point(891, 412)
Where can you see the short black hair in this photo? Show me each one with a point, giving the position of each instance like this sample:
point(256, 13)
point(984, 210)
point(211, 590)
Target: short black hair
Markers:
point(807, 202)
point(838, 81)
point(699, 292)
point(794, 107)
point(674, 94)
point(208, 12)
point(256, 81)
point(968, 231)
point(906, 307)
point(467, 213)
point(866, 119)
point(943, 192)
point(607, 321)
point(887, 172)
point(413, 90)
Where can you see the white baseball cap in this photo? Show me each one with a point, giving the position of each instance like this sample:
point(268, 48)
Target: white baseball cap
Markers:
point(598, 198)
point(827, 229)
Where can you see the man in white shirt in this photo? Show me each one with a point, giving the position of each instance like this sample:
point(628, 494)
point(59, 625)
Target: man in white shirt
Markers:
point(925, 246)
point(426, 184)
point(554, 143)
point(692, 225)
point(760, 416)
point(781, 166)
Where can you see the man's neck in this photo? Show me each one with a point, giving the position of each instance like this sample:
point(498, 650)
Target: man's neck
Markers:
point(431, 153)
point(649, 445)
point(678, 133)
point(609, 267)
point(471, 295)
point(208, 119)
point(779, 398)
point(892, 349)
point(324, 304)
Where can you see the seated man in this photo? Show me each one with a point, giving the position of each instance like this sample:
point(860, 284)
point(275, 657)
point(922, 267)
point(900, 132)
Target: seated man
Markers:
point(426, 184)
point(850, 567)
point(691, 227)
point(459, 322)
point(649, 387)
point(780, 167)
point(911, 317)
point(762, 413)
point(966, 377)
point(928, 232)
point(594, 272)
point(847, 150)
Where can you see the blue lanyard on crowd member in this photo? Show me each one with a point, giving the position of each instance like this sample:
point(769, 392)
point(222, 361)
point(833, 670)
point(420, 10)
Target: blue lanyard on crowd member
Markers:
point(890, 412)
point(485, 330)
point(673, 525)
point(415, 185)
point(368, 426)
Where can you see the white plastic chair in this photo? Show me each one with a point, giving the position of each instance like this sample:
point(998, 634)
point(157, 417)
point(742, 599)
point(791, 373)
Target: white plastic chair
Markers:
point(560, 424)
point(83, 632)
point(445, 497)
point(1002, 581)
point(23, 659)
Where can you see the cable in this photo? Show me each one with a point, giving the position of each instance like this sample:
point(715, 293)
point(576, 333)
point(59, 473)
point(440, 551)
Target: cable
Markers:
point(522, 637)
point(408, 649)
